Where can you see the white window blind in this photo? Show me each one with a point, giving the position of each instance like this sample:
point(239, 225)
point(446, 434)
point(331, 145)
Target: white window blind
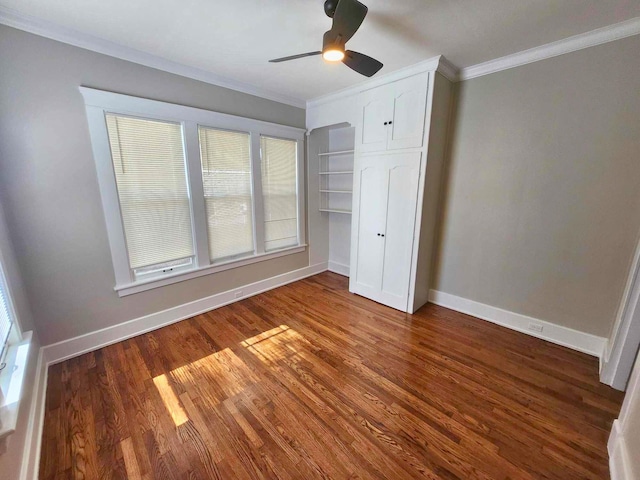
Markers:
point(279, 189)
point(226, 177)
point(6, 321)
point(149, 163)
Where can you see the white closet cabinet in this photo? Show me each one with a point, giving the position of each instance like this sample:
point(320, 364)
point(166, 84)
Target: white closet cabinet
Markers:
point(386, 189)
point(393, 115)
point(400, 143)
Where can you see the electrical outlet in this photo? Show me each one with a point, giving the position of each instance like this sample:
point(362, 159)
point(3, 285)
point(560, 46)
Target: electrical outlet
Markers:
point(239, 294)
point(536, 327)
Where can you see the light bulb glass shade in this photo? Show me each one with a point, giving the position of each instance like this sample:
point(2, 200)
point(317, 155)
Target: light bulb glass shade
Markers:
point(333, 55)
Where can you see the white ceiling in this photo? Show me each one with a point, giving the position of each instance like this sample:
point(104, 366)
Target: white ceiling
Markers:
point(235, 38)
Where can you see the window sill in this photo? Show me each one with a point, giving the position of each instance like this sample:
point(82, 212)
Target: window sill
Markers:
point(11, 383)
point(137, 287)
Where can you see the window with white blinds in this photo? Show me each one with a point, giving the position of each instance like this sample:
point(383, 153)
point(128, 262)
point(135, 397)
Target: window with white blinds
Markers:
point(226, 178)
point(279, 191)
point(149, 164)
point(6, 320)
point(187, 192)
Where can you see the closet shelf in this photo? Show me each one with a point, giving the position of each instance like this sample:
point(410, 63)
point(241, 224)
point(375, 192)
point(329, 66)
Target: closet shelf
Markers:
point(344, 172)
point(336, 191)
point(335, 210)
point(342, 152)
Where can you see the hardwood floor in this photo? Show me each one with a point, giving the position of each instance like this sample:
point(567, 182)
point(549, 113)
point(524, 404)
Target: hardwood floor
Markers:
point(309, 381)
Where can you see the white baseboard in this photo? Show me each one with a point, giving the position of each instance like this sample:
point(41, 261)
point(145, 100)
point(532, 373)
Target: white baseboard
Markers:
point(567, 337)
point(89, 342)
point(339, 268)
point(619, 463)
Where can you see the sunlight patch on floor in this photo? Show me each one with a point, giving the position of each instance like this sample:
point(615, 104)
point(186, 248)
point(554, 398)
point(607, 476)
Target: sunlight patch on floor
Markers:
point(216, 377)
point(170, 400)
point(275, 344)
point(223, 375)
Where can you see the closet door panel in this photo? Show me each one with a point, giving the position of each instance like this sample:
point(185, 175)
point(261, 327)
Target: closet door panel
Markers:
point(403, 177)
point(375, 111)
point(409, 99)
point(369, 226)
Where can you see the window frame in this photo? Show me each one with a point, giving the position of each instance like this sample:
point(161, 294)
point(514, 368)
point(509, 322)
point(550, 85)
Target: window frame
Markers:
point(15, 332)
point(297, 185)
point(98, 103)
point(253, 187)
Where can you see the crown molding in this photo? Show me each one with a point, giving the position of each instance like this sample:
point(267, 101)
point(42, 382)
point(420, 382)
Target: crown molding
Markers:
point(439, 64)
point(599, 36)
point(448, 70)
point(50, 30)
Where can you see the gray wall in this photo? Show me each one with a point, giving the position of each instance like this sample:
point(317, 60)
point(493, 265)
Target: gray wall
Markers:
point(50, 192)
point(542, 207)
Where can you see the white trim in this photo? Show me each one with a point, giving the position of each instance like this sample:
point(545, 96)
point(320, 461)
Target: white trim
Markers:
point(339, 268)
point(619, 463)
point(430, 65)
point(15, 331)
point(619, 459)
point(599, 36)
point(625, 334)
point(567, 337)
point(12, 382)
point(422, 185)
point(98, 103)
point(258, 199)
point(448, 70)
point(137, 106)
point(124, 290)
point(27, 23)
point(33, 440)
point(89, 342)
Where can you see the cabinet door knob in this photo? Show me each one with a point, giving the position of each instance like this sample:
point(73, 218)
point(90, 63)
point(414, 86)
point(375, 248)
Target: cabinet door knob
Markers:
point(382, 234)
point(386, 123)
point(390, 123)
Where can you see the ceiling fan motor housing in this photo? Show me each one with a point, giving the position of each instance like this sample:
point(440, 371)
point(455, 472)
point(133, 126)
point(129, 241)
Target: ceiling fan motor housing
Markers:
point(330, 7)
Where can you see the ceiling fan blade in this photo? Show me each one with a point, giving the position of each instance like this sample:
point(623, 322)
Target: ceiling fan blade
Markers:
point(361, 63)
point(346, 20)
point(294, 57)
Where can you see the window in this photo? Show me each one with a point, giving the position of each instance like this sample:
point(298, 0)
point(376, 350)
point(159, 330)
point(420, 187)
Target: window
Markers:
point(14, 351)
point(279, 186)
point(226, 175)
point(149, 164)
point(187, 192)
point(6, 316)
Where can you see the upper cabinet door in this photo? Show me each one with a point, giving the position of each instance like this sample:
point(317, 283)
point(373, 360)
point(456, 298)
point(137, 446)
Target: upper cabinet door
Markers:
point(375, 111)
point(409, 101)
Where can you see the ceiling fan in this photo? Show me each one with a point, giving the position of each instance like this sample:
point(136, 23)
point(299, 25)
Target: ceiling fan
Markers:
point(347, 17)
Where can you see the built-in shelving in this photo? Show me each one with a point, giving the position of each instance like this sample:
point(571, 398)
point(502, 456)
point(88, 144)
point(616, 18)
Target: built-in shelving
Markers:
point(335, 210)
point(329, 154)
point(336, 182)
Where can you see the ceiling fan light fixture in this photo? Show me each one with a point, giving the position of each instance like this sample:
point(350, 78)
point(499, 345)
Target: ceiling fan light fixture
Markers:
point(347, 16)
point(333, 54)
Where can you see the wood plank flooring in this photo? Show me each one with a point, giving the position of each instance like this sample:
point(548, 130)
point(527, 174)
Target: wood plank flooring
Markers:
point(309, 381)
